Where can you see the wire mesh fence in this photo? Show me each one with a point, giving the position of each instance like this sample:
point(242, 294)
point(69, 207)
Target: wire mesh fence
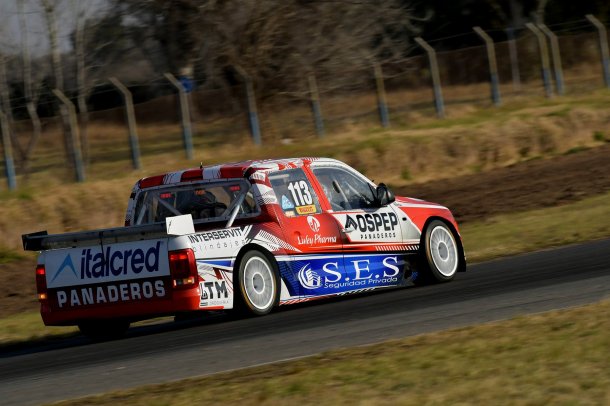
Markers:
point(351, 97)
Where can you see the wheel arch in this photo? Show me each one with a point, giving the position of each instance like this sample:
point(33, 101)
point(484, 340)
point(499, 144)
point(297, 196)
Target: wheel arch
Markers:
point(254, 247)
point(239, 299)
point(456, 235)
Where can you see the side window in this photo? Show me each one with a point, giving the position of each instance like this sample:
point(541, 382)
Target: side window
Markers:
point(294, 193)
point(345, 190)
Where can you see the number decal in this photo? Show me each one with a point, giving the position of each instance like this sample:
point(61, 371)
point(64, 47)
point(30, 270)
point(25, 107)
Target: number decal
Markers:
point(300, 193)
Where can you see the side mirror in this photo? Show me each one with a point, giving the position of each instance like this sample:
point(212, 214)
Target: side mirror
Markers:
point(384, 195)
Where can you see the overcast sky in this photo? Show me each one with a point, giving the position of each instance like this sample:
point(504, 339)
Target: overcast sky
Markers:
point(67, 10)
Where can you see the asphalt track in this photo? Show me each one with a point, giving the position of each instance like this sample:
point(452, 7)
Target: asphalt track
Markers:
point(536, 282)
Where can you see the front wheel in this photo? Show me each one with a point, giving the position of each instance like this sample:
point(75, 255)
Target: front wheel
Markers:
point(258, 284)
point(441, 255)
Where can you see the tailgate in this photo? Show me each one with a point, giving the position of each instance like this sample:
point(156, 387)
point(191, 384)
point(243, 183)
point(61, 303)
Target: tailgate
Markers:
point(105, 274)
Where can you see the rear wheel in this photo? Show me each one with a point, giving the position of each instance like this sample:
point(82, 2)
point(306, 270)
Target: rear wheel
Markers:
point(104, 329)
point(258, 280)
point(441, 256)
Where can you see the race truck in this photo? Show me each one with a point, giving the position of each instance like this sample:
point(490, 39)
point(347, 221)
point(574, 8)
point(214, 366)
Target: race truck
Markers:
point(246, 236)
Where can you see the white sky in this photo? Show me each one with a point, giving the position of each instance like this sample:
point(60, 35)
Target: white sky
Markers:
point(66, 15)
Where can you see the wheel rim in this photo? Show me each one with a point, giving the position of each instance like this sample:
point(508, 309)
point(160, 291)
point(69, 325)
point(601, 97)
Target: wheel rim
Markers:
point(258, 283)
point(443, 251)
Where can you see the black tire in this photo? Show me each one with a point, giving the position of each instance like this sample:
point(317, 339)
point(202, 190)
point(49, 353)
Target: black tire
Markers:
point(257, 284)
point(440, 255)
point(104, 329)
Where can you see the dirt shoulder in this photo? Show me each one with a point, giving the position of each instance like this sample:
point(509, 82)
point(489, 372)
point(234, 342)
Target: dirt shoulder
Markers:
point(525, 186)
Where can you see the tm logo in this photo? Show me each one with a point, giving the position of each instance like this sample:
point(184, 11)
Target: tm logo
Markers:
point(309, 278)
point(66, 264)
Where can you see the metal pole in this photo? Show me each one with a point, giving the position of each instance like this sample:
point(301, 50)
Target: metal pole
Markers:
point(436, 77)
point(544, 58)
point(185, 114)
point(315, 105)
point(556, 57)
point(603, 46)
point(382, 103)
point(514, 58)
point(252, 110)
point(7, 146)
point(131, 121)
point(74, 141)
point(493, 66)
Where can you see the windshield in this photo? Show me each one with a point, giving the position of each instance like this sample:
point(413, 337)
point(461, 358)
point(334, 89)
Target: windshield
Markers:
point(204, 201)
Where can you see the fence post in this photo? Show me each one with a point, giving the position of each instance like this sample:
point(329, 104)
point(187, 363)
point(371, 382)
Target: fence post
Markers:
point(315, 105)
point(7, 146)
point(381, 97)
point(556, 57)
point(74, 141)
point(252, 110)
point(603, 46)
point(544, 58)
point(131, 121)
point(185, 115)
point(514, 58)
point(436, 77)
point(493, 65)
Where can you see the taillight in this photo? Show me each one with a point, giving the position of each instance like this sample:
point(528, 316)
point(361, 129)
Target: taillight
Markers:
point(183, 268)
point(41, 282)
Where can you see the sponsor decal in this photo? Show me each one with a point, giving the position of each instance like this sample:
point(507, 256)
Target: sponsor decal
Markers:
point(107, 263)
point(118, 262)
point(309, 279)
point(373, 226)
point(67, 264)
point(314, 224)
point(309, 209)
point(212, 292)
point(110, 293)
point(364, 272)
point(216, 235)
point(286, 203)
point(316, 239)
point(231, 238)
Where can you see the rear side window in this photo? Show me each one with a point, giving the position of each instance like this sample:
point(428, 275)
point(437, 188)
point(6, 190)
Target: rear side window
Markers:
point(204, 202)
point(294, 193)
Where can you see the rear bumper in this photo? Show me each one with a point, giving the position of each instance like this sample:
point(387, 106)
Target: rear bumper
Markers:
point(183, 300)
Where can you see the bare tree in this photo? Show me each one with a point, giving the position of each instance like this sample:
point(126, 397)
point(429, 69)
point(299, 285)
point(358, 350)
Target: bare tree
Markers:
point(277, 43)
point(31, 85)
point(81, 86)
point(49, 7)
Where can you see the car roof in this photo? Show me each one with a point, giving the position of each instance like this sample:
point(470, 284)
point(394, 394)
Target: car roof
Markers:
point(230, 170)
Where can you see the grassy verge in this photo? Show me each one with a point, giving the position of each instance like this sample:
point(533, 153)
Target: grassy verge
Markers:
point(514, 233)
point(497, 236)
point(470, 140)
point(29, 327)
point(558, 357)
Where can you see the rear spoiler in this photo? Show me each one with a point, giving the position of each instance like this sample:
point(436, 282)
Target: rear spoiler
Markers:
point(176, 225)
point(43, 241)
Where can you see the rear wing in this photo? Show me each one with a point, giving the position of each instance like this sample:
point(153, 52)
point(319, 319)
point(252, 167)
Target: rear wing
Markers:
point(39, 241)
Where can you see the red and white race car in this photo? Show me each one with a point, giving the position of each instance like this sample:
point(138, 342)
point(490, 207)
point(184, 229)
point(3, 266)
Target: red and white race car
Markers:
point(262, 234)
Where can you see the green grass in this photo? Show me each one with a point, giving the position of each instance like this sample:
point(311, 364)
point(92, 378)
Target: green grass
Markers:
point(9, 255)
point(23, 327)
point(559, 357)
point(514, 233)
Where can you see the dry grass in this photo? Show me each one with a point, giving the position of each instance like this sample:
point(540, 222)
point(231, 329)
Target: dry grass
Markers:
point(471, 139)
point(559, 357)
